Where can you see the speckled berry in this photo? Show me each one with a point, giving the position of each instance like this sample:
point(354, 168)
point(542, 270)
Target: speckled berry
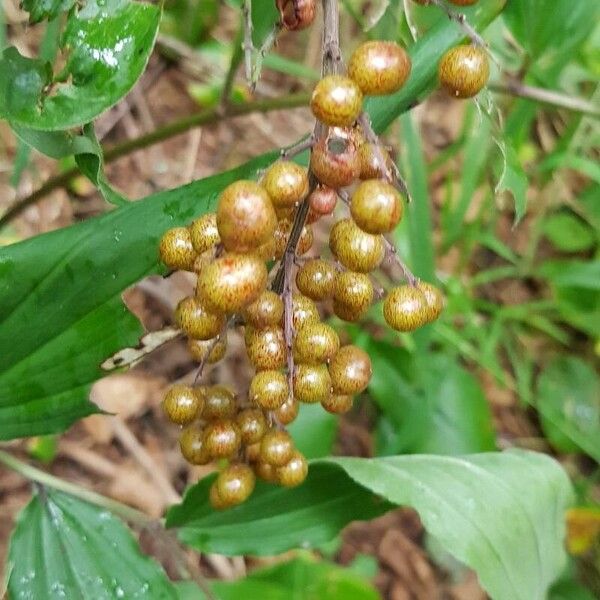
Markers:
point(336, 101)
point(312, 383)
point(176, 250)
point(405, 308)
point(266, 348)
point(276, 448)
point(222, 438)
point(376, 206)
point(334, 159)
point(315, 343)
point(294, 472)
point(268, 389)
point(265, 471)
point(296, 14)
point(337, 404)
point(464, 70)
point(370, 162)
point(235, 483)
point(215, 499)
point(304, 311)
point(350, 370)
point(245, 216)
point(204, 233)
point(196, 321)
point(231, 282)
point(282, 234)
point(286, 183)
point(356, 249)
point(434, 300)
point(208, 350)
point(288, 411)
point(323, 200)
point(379, 67)
point(192, 446)
point(266, 310)
point(219, 403)
point(182, 404)
point(315, 279)
point(252, 424)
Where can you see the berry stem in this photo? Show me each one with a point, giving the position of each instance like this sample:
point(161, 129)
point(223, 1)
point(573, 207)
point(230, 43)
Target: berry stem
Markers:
point(299, 147)
point(462, 22)
point(214, 342)
point(288, 327)
point(248, 45)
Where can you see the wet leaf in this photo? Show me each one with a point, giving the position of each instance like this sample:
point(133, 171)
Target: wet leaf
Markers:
point(45, 9)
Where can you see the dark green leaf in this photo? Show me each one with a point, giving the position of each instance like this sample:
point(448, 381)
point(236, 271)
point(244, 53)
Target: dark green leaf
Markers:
point(568, 398)
point(45, 9)
point(65, 548)
point(108, 43)
point(314, 431)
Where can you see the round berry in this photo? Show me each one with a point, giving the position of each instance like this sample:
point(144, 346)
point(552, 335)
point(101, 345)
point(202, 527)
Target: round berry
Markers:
point(215, 499)
point(222, 438)
point(267, 250)
point(354, 293)
point(235, 483)
point(376, 206)
point(288, 411)
point(405, 308)
point(204, 233)
point(350, 370)
point(252, 451)
point(282, 235)
point(252, 424)
point(202, 260)
point(337, 404)
point(266, 348)
point(370, 162)
point(245, 216)
point(464, 70)
point(322, 201)
point(336, 101)
point(296, 14)
point(231, 282)
point(265, 471)
point(294, 472)
point(193, 447)
point(286, 183)
point(276, 448)
point(182, 404)
point(379, 67)
point(266, 310)
point(219, 403)
point(268, 389)
point(312, 383)
point(196, 321)
point(304, 311)
point(176, 250)
point(356, 249)
point(315, 343)
point(334, 159)
point(207, 350)
point(434, 300)
point(315, 279)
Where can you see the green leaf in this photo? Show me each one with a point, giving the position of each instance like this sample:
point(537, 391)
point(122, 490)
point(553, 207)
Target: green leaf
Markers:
point(108, 44)
point(513, 179)
point(568, 233)
point(314, 431)
point(501, 514)
point(69, 282)
point(65, 548)
point(568, 399)
point(45, 9)
point(572, 273)
point(303, 577)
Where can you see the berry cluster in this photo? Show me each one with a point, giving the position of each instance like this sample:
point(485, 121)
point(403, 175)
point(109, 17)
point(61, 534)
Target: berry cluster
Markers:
point(297, 358)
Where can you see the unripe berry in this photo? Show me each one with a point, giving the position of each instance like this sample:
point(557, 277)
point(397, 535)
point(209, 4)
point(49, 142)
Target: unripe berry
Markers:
point(252, 451)
point(282, 234)
point(231, 282)
point(215, 499)
point(193, 447)
point(265, 471)
point(376, 206)
point(434, 300)
point(337, 404)
point(288, 411)
point(252, 424)
point(268, 389)
point(176, 250)
point(235, 483)
point(352, 295)
point(296, 14)
point(204, 233)
point(294, 472)
point(370, 163)
point(266, 348)
point(334, 159)
point(182, 404)
point(266, 310)
point(304, 311)
point(405, 308)
point(315, 343)
point(379, 67)
point(219, 403)
point(286, 183)
point(276, 448)
point(203, 259)
point(336, 101)
point(267, 250)
point(322, 201)
point(196, 321)
point(207, 350)
point(315, 279)
point(312, 383)
point(464, 70)
point(245, 216)
point(354, 248)
point(350, 370)
point(222, 438)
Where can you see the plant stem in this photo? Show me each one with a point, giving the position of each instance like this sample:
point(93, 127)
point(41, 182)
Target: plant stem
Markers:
point(236, 58)
point(204, 117)
point(33, 474)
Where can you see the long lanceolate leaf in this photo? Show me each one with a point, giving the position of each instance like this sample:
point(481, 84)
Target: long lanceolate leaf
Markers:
point(60, 290)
